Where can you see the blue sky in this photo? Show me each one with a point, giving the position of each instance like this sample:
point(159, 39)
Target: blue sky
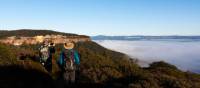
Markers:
point(103, 17)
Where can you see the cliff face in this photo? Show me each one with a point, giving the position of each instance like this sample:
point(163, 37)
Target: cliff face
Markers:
point(57, 39)
point(30, 36)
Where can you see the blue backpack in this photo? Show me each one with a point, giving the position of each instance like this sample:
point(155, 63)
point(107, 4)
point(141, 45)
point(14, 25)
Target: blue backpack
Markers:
point(69, 58)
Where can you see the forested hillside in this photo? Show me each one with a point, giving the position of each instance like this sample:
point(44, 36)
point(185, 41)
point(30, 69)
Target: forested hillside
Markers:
point(99, 68)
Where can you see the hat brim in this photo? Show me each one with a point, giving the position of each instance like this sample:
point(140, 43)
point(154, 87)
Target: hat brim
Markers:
point(69, 46)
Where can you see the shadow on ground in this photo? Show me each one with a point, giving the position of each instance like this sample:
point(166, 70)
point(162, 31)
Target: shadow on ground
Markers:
point(19, 77)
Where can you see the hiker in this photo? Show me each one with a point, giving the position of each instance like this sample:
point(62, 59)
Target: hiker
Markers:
point(46, 54)
point(69, 61)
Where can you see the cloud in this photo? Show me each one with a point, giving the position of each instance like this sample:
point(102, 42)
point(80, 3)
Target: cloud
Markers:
point(185, 55)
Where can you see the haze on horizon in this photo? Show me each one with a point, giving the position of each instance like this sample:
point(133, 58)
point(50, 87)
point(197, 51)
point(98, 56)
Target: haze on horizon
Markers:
point(103, 17)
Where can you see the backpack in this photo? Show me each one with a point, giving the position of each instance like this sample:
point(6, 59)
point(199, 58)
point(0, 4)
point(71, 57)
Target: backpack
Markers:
point(44, 50)
point(69, 60)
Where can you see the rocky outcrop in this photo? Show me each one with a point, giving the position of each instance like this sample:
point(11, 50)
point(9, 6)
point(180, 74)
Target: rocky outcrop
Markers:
point(57, 39)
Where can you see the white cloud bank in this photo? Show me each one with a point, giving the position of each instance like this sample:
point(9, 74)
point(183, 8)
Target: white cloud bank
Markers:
point(185, 55)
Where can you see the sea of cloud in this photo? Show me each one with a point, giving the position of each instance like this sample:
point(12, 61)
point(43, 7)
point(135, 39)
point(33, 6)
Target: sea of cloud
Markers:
point(185, 55)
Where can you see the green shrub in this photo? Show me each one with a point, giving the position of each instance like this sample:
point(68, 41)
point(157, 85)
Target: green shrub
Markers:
point(162, 64)
point(7, 57)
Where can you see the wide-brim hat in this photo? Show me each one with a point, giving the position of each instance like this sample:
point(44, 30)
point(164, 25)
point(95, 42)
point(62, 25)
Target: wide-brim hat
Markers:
point(69, 45)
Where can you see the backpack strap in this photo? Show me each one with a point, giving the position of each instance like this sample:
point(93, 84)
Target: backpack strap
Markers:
point(72, 55)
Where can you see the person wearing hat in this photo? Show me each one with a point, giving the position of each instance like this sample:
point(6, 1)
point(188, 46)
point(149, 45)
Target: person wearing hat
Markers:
point(47, 51)
point(68, 61)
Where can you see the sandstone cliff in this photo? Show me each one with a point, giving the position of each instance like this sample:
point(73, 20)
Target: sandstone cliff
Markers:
point(20, 37)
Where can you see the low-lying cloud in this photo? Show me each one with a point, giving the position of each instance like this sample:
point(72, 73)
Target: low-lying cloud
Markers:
point(185, 55)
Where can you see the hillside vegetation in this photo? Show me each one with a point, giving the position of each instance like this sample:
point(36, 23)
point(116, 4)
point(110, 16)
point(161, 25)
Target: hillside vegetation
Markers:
point(99, 68)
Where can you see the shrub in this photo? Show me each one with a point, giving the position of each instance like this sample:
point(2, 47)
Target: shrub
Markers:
point(7, 57)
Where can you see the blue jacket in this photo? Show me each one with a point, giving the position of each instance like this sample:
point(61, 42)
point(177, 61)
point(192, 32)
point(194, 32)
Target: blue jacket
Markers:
point(76, 58)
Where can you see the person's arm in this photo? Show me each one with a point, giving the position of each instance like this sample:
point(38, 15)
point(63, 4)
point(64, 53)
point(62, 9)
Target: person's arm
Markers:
point(40, 54)
point(60, 60)
point(53, 57)
point(77, 58)
point(53, 50)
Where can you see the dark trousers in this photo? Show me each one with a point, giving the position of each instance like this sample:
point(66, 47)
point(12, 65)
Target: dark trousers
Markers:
point(48, 65)
point(69, 77)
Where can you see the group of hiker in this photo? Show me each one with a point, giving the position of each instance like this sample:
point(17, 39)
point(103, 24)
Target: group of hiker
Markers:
point(68, 60)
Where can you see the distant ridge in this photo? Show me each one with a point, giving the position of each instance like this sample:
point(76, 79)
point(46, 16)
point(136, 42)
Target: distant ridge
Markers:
point(32, 32)
point(141, 37)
